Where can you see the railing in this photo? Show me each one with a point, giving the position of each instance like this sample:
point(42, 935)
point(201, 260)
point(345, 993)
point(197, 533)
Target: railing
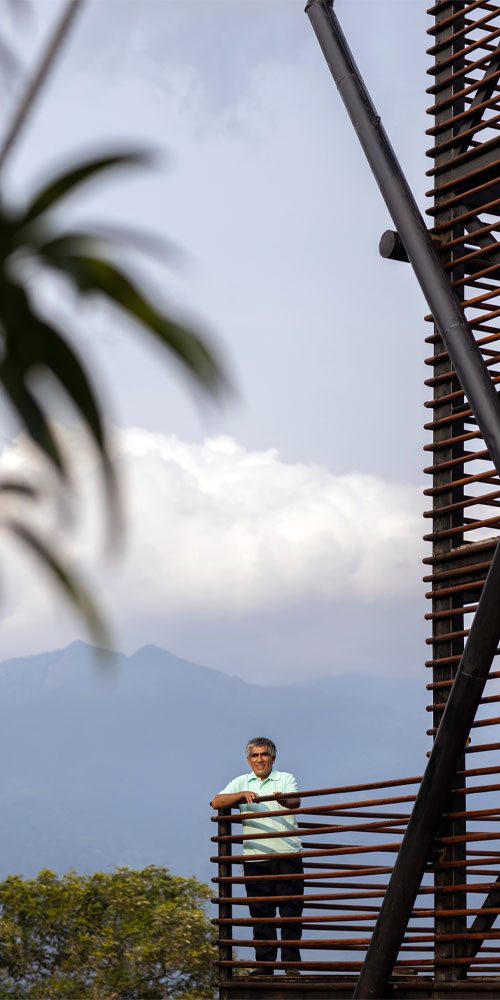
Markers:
point(349, 840)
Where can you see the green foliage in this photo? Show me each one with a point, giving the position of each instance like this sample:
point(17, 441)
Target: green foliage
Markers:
point(31, 241)
point(120, 936)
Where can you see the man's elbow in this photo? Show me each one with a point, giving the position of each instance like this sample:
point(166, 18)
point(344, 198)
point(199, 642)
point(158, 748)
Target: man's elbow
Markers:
point(219, 802)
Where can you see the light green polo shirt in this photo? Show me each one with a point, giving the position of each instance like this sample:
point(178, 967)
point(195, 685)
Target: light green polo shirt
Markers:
point(276, 781)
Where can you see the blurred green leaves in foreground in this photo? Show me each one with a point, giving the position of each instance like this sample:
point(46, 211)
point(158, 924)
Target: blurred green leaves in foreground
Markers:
point(31, 241)
point(128, 934)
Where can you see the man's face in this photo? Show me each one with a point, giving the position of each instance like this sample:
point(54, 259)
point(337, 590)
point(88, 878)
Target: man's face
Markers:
point(260, 761)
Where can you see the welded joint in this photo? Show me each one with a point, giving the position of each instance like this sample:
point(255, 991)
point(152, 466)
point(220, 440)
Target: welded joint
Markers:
point(471, 677)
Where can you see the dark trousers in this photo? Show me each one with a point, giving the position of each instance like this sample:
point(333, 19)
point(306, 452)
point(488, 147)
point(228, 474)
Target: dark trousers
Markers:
point(279, 865)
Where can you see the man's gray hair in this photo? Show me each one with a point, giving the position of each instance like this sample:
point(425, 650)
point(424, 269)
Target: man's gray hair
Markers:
point(261, 741)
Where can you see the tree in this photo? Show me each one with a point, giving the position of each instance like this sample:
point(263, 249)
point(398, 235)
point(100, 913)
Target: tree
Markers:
point(119, 936)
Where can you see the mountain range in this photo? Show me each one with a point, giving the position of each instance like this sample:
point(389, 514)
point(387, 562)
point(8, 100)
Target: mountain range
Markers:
point(107, 765)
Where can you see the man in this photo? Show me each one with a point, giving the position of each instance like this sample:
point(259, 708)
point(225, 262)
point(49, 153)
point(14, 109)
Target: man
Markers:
point(246, 791)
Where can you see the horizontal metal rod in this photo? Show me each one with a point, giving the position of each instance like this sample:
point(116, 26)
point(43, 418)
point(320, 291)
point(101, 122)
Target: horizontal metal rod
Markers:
point(335, 944)
point(344, 789)
point(380, 826)
point(343, 966)
point(236, 859)
point(326, 810)
point(337, 871)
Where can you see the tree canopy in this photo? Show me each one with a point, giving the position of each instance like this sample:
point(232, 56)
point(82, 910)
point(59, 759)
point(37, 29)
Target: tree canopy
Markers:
point(118, 936)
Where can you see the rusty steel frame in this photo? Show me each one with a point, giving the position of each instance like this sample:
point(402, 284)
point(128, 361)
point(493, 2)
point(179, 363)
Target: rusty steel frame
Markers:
point(351, 879)
point(368, 859)
point(466, 358)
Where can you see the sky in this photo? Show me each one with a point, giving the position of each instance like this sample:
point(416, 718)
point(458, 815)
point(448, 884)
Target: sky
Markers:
point(277, 537)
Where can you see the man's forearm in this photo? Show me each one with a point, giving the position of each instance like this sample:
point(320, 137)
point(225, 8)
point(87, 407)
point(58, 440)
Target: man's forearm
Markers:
point(289, 802)
point(225, 801)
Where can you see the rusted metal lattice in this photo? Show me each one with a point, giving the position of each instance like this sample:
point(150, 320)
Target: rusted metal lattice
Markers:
point(401, 880)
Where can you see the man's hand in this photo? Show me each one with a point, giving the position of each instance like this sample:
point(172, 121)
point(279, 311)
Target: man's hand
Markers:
point(234, 799)
point(249, 797)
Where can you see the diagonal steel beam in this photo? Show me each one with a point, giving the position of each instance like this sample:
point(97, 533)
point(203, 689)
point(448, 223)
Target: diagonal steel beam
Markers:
point(485, 631)
point(485, 240)
point(481, 924)
point(441, 298)
point(390, 245)
point(392, 248)
point(434, 790)
point(483, 94)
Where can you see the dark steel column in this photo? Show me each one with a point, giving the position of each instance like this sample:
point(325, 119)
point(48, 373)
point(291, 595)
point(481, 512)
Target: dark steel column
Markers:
point(446, 655)
point(485, 632)
point(225, 849)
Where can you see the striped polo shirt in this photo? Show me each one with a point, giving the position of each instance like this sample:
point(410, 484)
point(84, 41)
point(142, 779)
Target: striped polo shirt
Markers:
point(276, 781)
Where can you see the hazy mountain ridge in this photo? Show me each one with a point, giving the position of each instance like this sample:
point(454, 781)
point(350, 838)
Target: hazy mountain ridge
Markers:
point(117, 766)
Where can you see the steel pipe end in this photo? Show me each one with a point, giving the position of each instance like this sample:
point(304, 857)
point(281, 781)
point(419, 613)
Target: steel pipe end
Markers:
point(391, 247)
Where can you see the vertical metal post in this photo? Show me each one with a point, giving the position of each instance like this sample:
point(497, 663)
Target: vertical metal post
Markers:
point(446, 654)
point(225, 848)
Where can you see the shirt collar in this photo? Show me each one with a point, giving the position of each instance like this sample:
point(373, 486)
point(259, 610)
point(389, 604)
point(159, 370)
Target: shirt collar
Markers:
point(271, 777)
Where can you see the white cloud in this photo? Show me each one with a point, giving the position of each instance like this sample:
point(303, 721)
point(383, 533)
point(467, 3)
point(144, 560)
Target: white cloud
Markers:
point(238, 553)
point(265, 188)
point(234, 529)
point(216, 531)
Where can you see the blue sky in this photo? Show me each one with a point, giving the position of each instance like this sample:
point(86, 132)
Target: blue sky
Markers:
point(280, 537)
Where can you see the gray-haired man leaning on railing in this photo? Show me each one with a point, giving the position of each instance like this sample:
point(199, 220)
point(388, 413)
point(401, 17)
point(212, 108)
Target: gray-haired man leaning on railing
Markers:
point(246, 791)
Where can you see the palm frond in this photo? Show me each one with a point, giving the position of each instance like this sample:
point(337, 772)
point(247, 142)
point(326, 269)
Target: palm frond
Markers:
point(105, 235)
point(31, 414)
point(18, 487)
point(53, 193)
point(31, 344)
point(96, 275)
point(39, 345)
point(71, 584)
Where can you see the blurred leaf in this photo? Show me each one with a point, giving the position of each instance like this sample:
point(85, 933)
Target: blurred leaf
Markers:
point(70, 583)
point(93, 274)
point(36, 345)
point(10, 66)
point(89, 241)
point(30, 344)
point(31, 414)
point(20, 487)
point(56, 190)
